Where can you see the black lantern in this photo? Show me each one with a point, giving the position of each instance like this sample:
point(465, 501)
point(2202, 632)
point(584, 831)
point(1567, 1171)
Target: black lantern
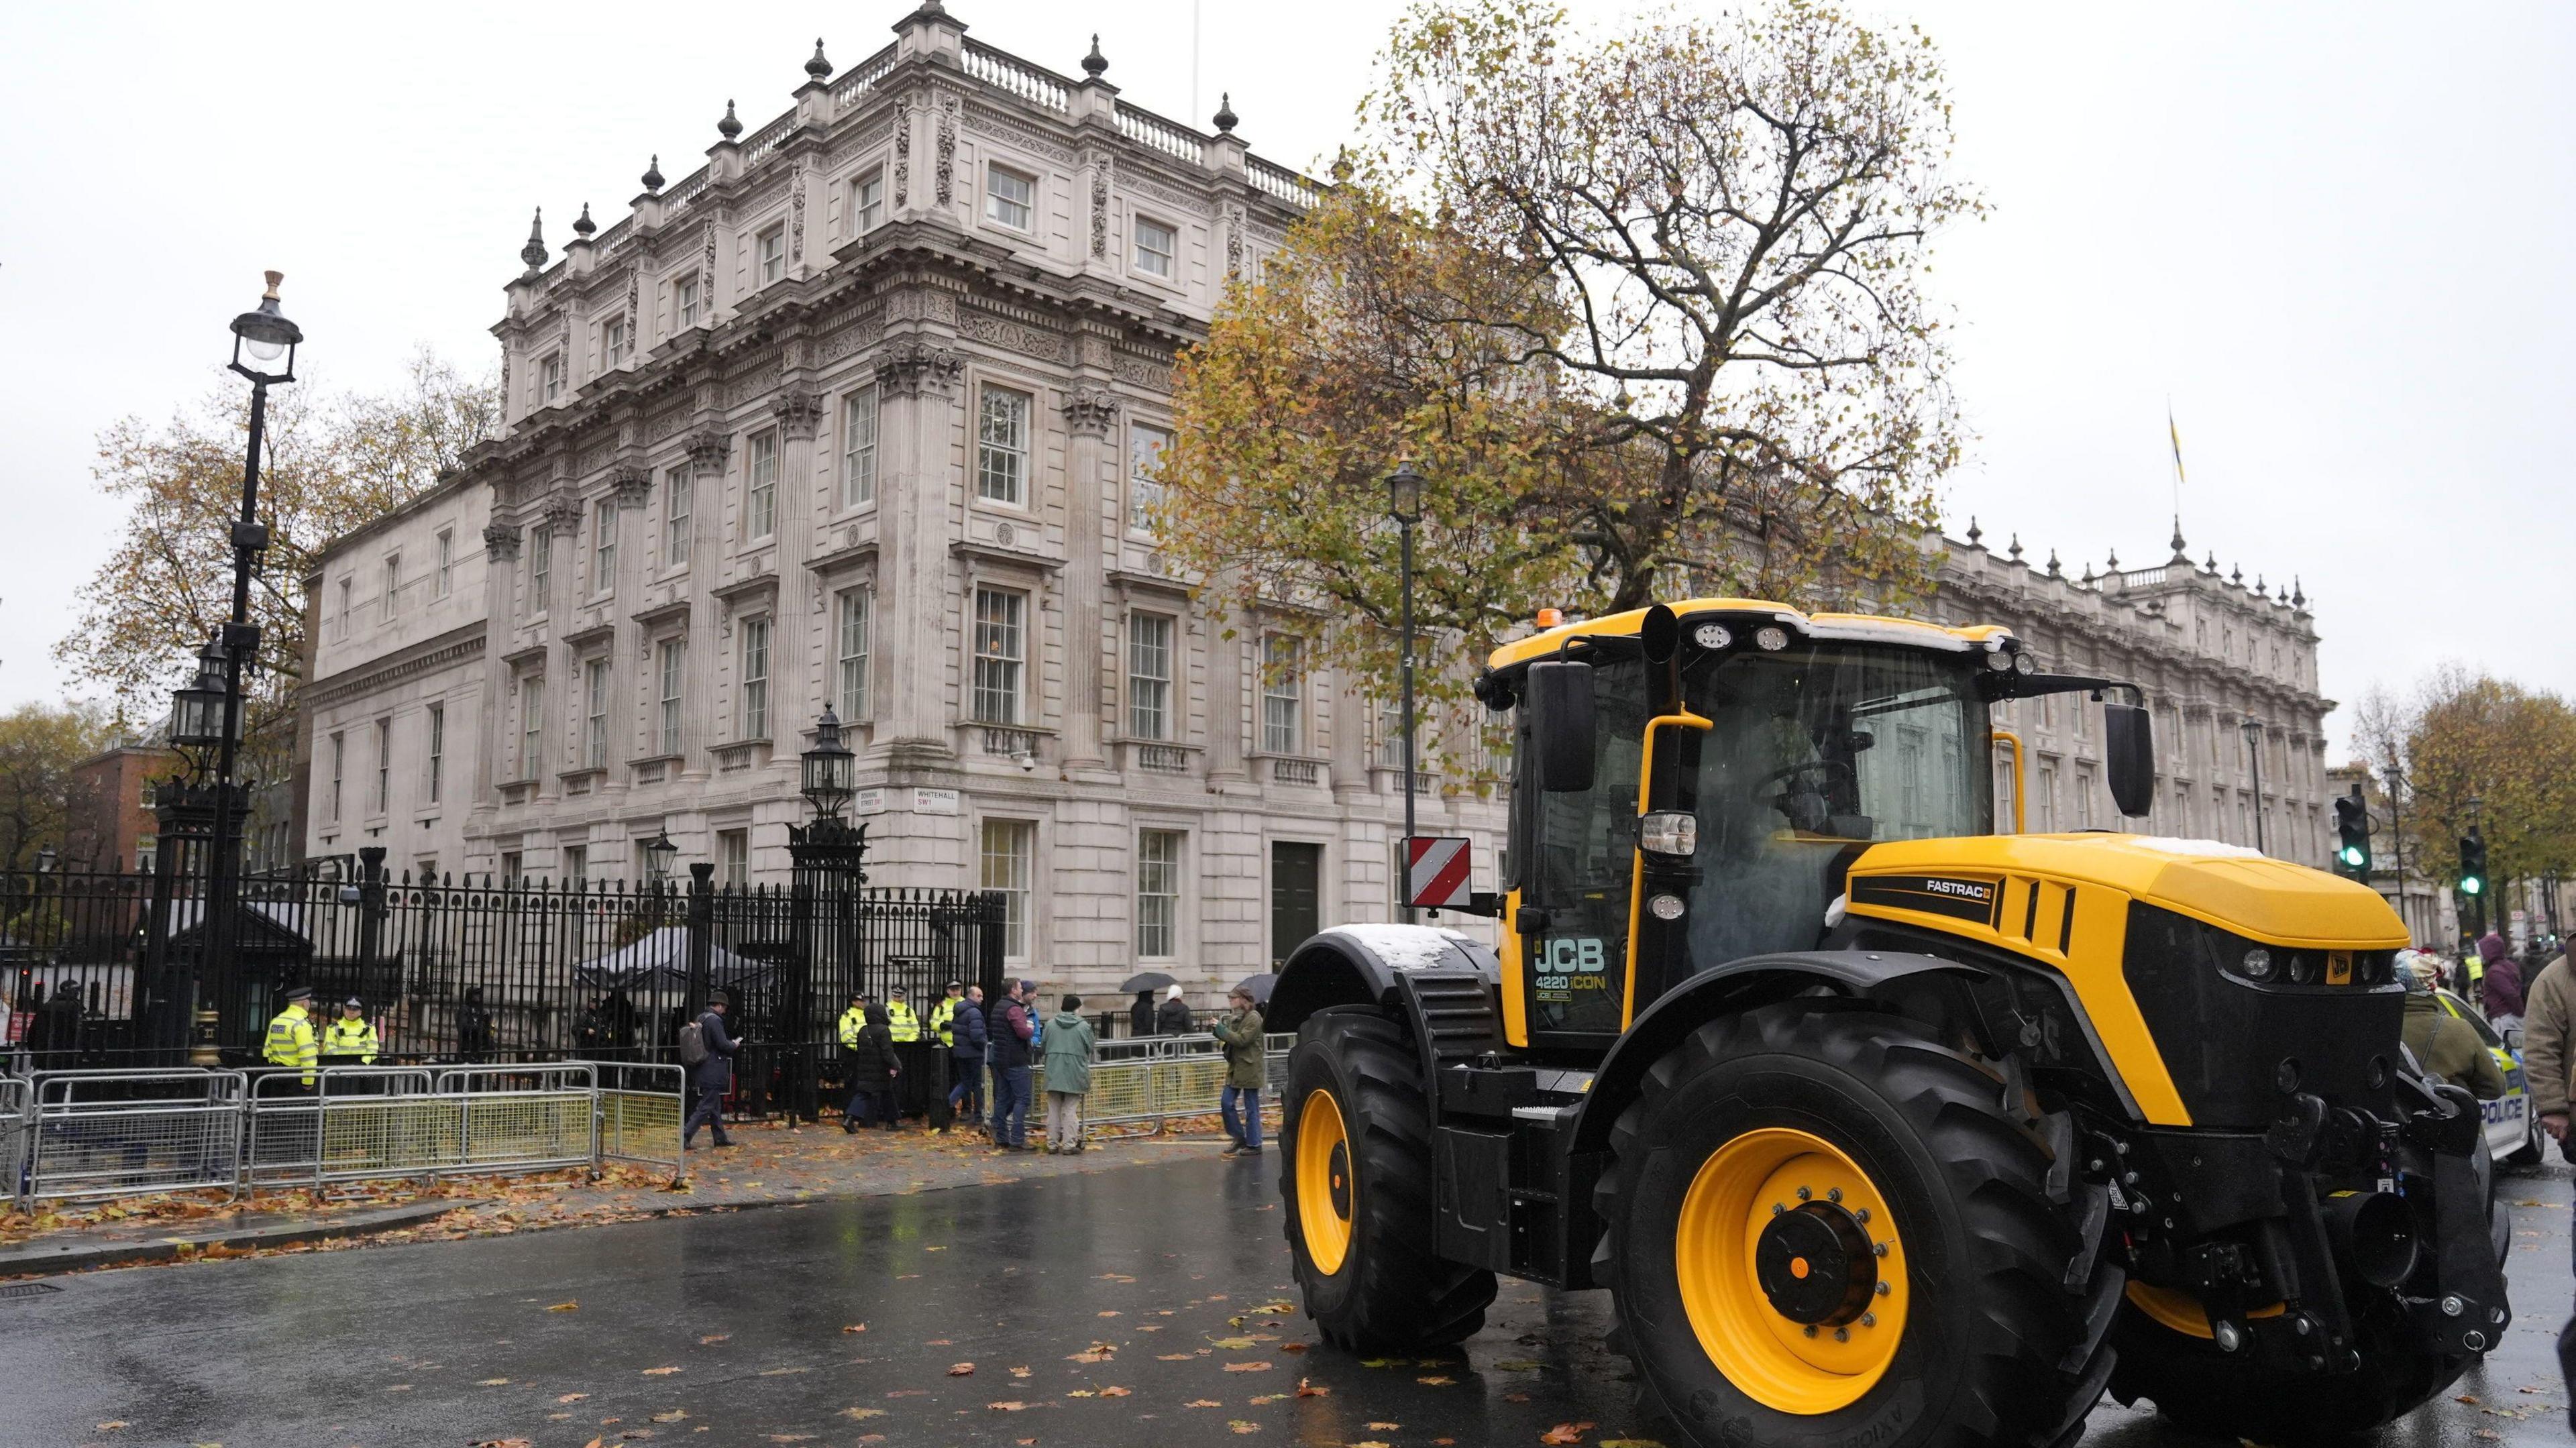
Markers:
point(264, 341)
point(197, 711)
point(1404, 494)
point(659, 854)
point(830, 768)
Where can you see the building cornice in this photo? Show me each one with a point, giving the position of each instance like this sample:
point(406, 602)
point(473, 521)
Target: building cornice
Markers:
point(428, 656)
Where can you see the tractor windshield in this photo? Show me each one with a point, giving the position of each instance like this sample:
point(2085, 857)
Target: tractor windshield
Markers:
point(1815, 750)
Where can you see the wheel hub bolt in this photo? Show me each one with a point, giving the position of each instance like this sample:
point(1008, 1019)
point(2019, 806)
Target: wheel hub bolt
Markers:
point(1778, 1209)
point(1811, 1329)
point(1834, 1195)
point(1870, 1319)
point(1842, 1334)
point(1861, 1215)
point(1884, 1289)
point(1804, 1194)
point(1879, 1250)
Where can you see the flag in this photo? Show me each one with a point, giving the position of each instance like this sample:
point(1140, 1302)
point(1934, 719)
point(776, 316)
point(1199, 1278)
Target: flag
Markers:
point(2176, 435)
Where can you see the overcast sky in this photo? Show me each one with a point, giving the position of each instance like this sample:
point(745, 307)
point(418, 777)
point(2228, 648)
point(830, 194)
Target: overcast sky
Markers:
point(2335, 235)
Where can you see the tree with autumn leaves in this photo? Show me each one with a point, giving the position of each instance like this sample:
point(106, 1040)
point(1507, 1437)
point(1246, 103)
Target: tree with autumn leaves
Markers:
point(2465, 735)
point(329, 464)
point(1645, 306)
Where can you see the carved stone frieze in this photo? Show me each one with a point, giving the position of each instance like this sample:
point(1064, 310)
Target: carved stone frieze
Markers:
point(947, 147)
point(860, 145)
point(1013, 336)
point(796, 223)
point(707, 271)
point(923, 305)
point(1233, 240)
point(670, 422)
point(860, 333)
point(591, 460)
point(754, 383)
point(799, 411)
point(912, 367)
point(1090, 411)
point(707, 450)
point(1169, 196)
point(1139, 372)
point(501, 541)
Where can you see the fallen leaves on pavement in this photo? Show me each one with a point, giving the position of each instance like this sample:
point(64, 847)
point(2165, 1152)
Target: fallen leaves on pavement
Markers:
point(961, 1370)
point(1250, 1367)
point(565, 1307)
point(1009, 1407)
point(659, 1372)
point(1565, 1433)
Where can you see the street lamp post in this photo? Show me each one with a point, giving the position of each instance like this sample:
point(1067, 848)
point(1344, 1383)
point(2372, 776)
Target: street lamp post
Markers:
point(2253, 730)
point(1404, 505)
point(208, 712)
point(829, 856)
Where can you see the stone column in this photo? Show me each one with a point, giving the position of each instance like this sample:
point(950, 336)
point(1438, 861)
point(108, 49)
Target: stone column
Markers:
point(630, 483)
point(917, 382)
point(799, 410)
point(1225, 694)
point(500, 578)
point(1091, 416)
point(707, 452)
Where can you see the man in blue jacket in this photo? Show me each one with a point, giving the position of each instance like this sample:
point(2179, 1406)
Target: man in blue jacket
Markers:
point(713, 1072)
point(967, 1037)
point(1007, 1037)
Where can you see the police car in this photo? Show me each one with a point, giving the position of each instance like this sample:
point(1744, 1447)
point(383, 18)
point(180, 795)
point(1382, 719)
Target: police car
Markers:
point(2513, 1132)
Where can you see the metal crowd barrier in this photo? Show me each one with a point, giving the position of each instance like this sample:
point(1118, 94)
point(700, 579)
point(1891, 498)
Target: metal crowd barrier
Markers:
point(94, 1134)
point(1157, 1078)
point(640, 1113)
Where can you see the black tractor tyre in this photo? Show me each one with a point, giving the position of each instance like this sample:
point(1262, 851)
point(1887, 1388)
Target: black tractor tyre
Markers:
point(2202, 1390)
point(2010, 1296)
point(1390, 1292)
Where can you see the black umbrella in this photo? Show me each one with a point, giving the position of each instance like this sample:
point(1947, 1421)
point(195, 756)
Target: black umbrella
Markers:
point(1148, 980)
point(1260, 986)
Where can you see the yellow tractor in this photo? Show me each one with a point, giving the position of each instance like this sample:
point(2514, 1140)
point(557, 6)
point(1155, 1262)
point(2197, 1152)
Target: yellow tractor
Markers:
point(1881, 1126)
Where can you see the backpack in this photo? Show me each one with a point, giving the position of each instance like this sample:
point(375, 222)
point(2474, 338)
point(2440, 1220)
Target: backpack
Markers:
point(693, 1044)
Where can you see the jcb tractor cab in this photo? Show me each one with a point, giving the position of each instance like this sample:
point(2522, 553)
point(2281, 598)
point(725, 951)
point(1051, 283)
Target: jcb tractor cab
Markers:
point(1881, 1127)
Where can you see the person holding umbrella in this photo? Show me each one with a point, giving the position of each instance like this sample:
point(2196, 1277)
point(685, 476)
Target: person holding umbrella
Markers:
point(1142, 985)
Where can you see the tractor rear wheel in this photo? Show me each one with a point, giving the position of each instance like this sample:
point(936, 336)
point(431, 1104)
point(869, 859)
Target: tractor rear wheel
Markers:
point(1355, 1171)
point(1826, 1228)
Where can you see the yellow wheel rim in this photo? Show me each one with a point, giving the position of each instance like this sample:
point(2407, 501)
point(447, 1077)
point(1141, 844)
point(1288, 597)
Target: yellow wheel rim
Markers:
point(1324, 1185)
point(2179, 1311)
point(1791, 1271)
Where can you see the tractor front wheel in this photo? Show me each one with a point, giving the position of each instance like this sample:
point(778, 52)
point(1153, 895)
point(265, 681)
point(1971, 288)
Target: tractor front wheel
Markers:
point(1355, 1169)
point(1825, 1228)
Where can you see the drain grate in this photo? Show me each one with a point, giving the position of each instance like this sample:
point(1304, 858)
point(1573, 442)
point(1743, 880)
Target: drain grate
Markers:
point(12, 1291)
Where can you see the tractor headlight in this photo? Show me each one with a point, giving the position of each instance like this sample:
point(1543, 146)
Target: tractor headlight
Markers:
point(1712, 636)
point(1668, 832)
point(1771, 638)
point(2256, 964)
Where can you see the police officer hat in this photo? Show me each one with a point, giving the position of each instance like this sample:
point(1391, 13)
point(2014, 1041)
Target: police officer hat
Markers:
point(354, 1004)
point(299, 993)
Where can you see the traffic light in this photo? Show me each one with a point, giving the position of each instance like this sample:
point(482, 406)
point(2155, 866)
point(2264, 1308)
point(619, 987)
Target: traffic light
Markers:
point(2473, 863)
point(2352, 826)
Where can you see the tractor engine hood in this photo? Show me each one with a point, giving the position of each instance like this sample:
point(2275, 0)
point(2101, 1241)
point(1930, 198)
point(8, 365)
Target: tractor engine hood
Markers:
point(2206, 972)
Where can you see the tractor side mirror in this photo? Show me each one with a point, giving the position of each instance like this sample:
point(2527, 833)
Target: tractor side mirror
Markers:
point(2129, 756)
point(1559, 701)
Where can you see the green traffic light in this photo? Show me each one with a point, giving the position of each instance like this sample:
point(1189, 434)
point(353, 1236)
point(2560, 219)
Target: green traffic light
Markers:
point(2471, 885)
point(2352, 857)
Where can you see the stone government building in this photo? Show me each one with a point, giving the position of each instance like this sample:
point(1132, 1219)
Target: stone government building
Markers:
point(859, 414)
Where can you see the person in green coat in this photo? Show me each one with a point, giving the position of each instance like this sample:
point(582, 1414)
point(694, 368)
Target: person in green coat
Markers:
point(1068, 1075)
point(1247, 1070)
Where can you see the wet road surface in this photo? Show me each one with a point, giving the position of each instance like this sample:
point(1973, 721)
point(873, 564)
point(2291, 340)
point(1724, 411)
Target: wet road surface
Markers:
point(1117, 1308)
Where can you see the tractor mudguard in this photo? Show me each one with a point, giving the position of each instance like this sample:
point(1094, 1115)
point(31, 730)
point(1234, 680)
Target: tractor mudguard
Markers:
point(1732, 988)
point(1351, 965)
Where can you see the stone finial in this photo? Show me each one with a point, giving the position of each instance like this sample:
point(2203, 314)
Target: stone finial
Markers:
point(2210, 564)
point(729, 127)
point(1974, 532)
point(818, 67)
point(653, 175)
point(2261, 587)
point(2111, 564)
point(2179, 556)
point(2236, 575)
point(2054, 570)
point(1225, 116)
point(582, 225)
point(1094, 64)
point(2014, 552)
point(534, 253)
point(2088, 573)
point(2298, 593)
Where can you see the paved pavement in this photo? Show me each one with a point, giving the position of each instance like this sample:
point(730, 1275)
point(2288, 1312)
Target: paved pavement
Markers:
point(1117, 1307)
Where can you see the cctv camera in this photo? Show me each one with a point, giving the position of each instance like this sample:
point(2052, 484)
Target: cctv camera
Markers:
point(1028, 762)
